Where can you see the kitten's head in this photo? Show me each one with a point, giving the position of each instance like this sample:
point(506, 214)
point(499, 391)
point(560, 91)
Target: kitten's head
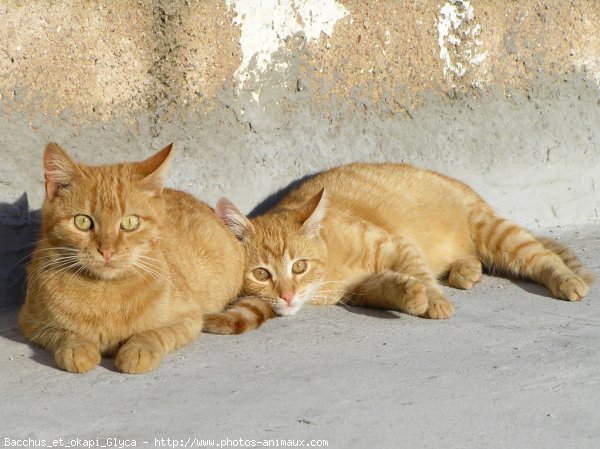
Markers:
point(285, 254)
point(104, 220)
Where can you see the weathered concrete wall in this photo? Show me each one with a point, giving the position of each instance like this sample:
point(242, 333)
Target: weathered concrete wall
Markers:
point(505, 96)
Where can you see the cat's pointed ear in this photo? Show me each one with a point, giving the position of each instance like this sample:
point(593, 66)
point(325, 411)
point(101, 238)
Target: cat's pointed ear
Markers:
point(236, 221)
point(59, 169)
point(155, 170)
point(312, 213)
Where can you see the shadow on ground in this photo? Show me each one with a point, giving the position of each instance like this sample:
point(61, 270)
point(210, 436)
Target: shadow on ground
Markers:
point(19, 231)
point(9, 330)
point(373, 313)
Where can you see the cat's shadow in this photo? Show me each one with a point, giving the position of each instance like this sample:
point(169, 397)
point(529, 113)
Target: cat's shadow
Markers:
point(19, 232)
point(9, 329)
point(533, 288)
point(374, 313)
point(271, 201)
point(527, 285)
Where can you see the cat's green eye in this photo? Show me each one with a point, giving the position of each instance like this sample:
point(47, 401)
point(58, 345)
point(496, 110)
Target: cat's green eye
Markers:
point(130, 223)
point(261, 274)
point(83, 222)
point(299, 267)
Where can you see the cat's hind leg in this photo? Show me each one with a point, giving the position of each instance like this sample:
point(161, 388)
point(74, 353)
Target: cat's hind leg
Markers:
point(466, 272)
point(144, 351)
point(569, 258)
point(505, 246)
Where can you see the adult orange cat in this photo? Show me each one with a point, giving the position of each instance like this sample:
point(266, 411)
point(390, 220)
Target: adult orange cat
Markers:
point(379, 235)
point(124, 267)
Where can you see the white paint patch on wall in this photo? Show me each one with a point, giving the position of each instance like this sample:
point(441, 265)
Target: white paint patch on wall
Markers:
point(266, 24)
point(458, 38)
point(590, 66)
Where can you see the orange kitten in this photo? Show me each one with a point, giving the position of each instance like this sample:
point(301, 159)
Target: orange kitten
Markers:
point(380, 235)
point(124, 267)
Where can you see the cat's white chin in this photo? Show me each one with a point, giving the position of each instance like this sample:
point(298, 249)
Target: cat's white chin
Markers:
point(109, 273)
point(284, 309)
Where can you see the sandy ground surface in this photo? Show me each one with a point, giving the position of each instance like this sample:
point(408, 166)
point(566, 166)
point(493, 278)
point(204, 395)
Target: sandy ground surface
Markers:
point(513, 369)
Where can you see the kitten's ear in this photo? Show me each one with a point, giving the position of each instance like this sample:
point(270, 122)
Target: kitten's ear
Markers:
point(59, 169)
point(155, 168)
point(312, 213)
point(233, 218)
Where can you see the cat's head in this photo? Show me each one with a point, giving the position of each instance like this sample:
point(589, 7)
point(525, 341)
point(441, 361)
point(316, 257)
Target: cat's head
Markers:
point(285, 254)
point(103, 220)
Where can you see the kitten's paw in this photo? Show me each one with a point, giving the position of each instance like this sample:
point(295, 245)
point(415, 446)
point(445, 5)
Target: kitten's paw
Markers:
point(137, 357)
point(77, 356)
point(570, 288)
point(464, 273)
point(415, 298)
point(439, 308)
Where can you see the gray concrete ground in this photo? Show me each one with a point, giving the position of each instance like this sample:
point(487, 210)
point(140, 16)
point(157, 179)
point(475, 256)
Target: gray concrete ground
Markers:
point(512, 369)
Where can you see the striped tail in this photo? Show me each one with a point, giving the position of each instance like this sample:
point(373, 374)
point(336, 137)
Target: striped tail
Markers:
point(509, 248)
point(244, 315)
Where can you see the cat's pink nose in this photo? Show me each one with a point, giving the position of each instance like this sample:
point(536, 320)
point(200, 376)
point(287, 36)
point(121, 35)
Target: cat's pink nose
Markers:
point(287, 297)
point(107, 253)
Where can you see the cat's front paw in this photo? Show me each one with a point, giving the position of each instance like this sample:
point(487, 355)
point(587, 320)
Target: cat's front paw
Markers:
point(138, 357)
point(439, 308)
point(77, 356)
point(570, 288)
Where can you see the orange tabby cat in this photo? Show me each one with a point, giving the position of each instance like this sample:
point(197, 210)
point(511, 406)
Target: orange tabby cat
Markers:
point(124, 267)
point(379, 235)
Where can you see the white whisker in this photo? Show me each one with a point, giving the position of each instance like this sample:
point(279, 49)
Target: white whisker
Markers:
point(59, 266)
point(37, 251)
point(82, 267)
point(152, 270)
point(54, 264)
point(138, 274)
point(144, 270)
point(148, 261)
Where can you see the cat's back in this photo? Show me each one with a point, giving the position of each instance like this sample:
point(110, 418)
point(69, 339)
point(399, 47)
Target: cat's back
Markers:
point(199, 244)
point(184, 211)
point(194, 224)
point(371, 185)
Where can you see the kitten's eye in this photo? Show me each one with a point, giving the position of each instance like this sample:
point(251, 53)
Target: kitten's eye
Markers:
point(83, 222)
point(130, 223)
point(299, 267)
point(261, 274)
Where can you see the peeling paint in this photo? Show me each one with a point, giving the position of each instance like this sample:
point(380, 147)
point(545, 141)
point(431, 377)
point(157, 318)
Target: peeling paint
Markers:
point(458, 38)
point(266, 24)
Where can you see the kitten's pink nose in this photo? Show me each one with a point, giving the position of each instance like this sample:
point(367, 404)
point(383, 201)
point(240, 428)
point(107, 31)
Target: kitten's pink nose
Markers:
point(287, 297)
point(107, 253)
